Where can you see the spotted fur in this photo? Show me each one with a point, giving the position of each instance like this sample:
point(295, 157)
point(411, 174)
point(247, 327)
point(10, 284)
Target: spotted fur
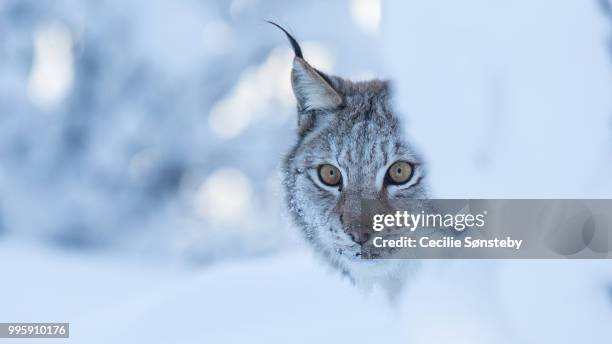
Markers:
point(350, 125)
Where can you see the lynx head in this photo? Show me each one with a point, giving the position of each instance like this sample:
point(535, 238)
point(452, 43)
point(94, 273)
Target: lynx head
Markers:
point(349, 147)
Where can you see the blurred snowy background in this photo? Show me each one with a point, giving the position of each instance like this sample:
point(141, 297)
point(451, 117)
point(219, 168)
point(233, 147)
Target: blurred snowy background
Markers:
point(140, 143)
point(157, 126)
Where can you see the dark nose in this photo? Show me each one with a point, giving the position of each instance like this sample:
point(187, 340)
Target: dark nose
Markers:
point(360, 237)
point(354, 222)
point(354, 229)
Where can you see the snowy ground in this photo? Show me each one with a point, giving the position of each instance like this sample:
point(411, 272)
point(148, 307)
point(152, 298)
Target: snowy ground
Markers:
point(291, 298)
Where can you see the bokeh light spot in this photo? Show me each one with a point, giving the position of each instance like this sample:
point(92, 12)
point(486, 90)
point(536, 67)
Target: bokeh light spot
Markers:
point(366, 13)
point(52, 70)
point(225, 196)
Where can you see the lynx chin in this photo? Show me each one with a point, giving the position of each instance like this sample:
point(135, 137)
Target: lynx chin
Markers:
point(349, 147)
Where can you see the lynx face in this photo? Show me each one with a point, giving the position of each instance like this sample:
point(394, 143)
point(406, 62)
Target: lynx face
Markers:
point(349, 147)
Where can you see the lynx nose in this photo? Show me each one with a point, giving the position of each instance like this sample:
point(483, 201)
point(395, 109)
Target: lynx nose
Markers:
point(354, 228)
point(360, 237)
point(354, 220)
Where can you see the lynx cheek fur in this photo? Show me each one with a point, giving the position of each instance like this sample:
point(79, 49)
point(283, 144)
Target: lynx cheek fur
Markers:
point(349, 147)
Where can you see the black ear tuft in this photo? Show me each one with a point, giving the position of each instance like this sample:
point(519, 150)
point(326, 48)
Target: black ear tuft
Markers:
point(296, 47)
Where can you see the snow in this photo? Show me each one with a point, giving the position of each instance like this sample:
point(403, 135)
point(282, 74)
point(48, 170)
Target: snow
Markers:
point(292, 297)
point(512, 97)
point(130, 301)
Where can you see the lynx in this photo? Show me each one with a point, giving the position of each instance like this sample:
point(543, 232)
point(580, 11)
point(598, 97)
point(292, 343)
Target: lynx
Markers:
point(349, 147)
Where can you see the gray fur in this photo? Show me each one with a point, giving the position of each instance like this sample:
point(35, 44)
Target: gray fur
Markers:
point(361, 135)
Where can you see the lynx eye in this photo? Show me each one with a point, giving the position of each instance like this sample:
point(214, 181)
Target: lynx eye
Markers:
point(330, 175)
point(399, 173)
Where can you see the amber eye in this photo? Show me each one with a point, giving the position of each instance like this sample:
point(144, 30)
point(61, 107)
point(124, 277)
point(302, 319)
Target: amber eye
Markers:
point(399, 173)
point(330, 175)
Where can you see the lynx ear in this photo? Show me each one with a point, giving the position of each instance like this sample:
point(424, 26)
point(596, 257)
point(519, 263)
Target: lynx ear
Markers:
point(311, 89)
